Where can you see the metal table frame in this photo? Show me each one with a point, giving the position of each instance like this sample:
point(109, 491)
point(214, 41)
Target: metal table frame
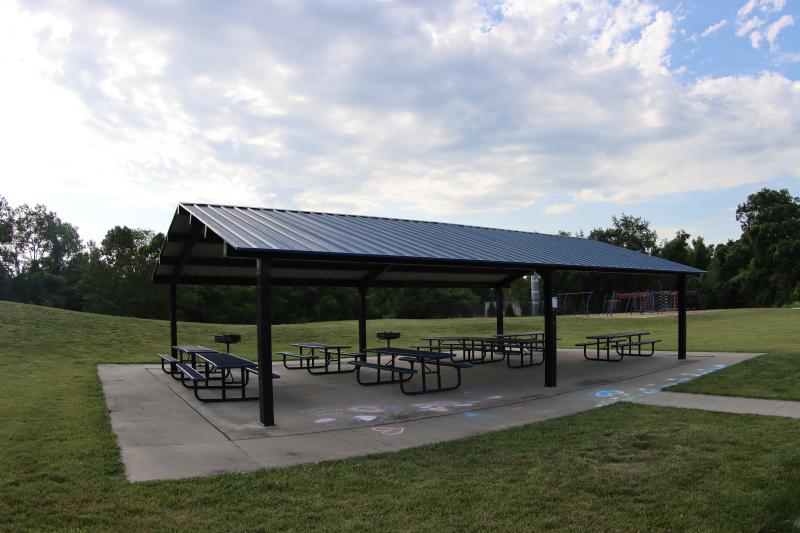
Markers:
point(607, 340)
point(430, 364)
point(330, 353)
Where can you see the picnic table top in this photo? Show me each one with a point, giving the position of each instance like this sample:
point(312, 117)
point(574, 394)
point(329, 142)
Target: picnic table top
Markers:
point(320, 345)
point(191, 348)
point(524, 334)
point(408, 352)
point(480, 339)
point(615, 335)
point(447, 338)
point(226, 360)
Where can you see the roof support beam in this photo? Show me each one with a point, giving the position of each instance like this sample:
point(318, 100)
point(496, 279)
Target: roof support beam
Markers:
point(550, 340)
point(362, 321)
point(210, 237)
point(186, 252)
point(681, 316)
point(511, 278)
point(291, 282)
point(375, 274)
point(500, 308)
point(266, 406)
point(210, 261)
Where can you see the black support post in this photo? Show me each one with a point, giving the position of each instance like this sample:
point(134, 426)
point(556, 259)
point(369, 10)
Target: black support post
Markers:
point(550, 336)
point(500, 306)
point(264, 330)
point(362, 321)
point(173, 318)
point(681, 316)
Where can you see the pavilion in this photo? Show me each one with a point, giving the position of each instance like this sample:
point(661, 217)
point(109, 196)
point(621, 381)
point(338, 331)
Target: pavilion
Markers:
point(229, 245)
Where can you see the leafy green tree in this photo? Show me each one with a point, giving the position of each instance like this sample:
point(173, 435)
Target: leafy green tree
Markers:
point(701, 253)
point(770, 223)
point(629, 232)
point(40, 238)
point(118, 274)
point(677, 249)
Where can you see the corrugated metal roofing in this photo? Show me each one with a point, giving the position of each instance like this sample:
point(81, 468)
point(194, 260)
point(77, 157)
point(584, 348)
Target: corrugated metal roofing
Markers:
point(300, 234)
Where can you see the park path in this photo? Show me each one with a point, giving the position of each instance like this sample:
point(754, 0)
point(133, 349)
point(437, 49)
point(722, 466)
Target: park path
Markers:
point(723, 404)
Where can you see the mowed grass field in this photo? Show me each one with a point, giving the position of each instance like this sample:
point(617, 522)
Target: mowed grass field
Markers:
point(623, 467)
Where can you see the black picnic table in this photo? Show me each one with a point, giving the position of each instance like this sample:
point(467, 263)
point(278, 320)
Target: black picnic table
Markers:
point(623, 343)
point(430, 363)
point(209, 369)
point(310, 353)
point(479, 350)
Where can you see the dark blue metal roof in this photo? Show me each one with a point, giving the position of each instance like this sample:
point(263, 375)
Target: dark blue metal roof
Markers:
point(247, 231)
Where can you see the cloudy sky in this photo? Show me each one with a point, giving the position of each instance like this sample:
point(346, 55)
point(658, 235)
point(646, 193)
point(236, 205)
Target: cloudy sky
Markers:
point(538, 115)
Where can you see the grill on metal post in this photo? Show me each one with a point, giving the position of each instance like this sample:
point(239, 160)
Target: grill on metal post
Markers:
point(228, 339)
point(388, 336)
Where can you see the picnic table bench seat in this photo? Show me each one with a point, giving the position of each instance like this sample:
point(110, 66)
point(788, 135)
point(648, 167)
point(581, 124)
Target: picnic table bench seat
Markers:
point(620, 346)
point(455, 364)
point(167, 359)
point(189, 373)
point(256, 372)
point(403, 372)
point(295, 355)
point(320, 360)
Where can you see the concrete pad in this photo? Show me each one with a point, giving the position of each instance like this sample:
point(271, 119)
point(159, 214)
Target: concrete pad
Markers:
point(164, 432)
point(295, 449)
point(144, 463)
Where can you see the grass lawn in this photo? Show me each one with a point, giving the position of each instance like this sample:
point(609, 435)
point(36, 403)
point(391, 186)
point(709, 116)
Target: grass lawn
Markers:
point(623, 467)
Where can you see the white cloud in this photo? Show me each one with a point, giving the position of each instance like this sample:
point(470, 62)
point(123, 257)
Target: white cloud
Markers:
point(750, 25)
point(557, 209)
point(775, 28)
point(431, 109)
point(714, 28)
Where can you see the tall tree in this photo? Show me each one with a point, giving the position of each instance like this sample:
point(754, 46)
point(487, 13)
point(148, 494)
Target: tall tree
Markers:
point(770, 223)
point(629, 232)
point(677, 249)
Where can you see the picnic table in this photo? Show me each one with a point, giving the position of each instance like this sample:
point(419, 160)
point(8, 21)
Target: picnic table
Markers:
point(473, 348)
point(425, 362)
point(535, 335)
point(208, 369)
point(622, 342)
point(318, 358)
point(529, 350)
point(478, 350)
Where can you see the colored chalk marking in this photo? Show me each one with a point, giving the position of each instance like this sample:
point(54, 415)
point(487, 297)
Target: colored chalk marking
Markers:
point(608, 393)
point(389, 431)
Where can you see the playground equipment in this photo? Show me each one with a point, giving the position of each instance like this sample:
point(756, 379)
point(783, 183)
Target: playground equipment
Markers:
point(649, 302)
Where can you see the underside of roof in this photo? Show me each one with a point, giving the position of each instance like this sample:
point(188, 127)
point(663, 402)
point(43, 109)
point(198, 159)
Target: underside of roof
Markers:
point(213, 244)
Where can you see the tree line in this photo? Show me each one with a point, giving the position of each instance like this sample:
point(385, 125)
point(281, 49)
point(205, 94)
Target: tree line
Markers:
point(44, 261)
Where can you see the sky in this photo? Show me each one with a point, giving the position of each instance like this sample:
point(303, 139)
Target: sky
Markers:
point(541, 115)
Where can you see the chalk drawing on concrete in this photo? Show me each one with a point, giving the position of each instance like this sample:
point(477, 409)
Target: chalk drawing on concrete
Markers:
point(473, 415)
point(390, 431)
point(442, 406)
point(324, 420)
point(608, 393)
point(366, 409)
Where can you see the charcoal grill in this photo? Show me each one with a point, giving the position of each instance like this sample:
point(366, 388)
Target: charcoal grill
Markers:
point(228, 339)
point(388, 336)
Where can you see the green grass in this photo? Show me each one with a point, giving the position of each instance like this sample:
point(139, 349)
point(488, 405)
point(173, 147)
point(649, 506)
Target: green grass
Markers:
point(624, 467)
